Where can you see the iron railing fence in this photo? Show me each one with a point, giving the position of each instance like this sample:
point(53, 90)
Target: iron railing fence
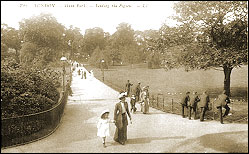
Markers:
point(24, 129)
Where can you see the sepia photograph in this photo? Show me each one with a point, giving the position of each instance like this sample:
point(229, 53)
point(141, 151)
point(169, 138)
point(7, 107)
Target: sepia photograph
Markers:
point(124, 76)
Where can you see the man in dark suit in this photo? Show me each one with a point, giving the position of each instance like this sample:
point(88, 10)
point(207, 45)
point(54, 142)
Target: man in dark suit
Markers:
point(128, 87)
point(120, 116)
point(204, 100)
point(193, 100)
point(138, 91)
point(184, 102)
point(222, 101)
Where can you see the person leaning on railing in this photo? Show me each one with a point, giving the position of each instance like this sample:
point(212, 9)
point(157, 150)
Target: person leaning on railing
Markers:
point(184, 102)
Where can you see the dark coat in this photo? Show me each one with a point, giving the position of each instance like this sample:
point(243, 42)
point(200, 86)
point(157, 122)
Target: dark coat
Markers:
point(138, 90)
point(184, 100)
point(118, 115)
point(193, 100)
point(204, 100)
point(222, 100)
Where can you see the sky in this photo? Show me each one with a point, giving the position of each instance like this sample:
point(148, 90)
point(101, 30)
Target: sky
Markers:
point(141, 15)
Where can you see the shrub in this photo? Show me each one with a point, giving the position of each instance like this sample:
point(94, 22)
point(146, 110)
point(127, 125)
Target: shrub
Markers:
point(27, 91)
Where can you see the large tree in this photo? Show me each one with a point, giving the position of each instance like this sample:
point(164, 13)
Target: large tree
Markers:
point(10, 38)
point(94, 38)
point(219, 35)
point(45, 32)
point(73, 41)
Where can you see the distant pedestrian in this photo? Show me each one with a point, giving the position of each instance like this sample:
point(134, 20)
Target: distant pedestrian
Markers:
point(133, 103)
point(223, 101)
point(120, 116)
point(184, 102)
point(91, 73)
point(85, 74)
point(128, 87)
point(82, 75)
point(103, 126)
point(204, 100)
point(137, 92)
point(193, 100)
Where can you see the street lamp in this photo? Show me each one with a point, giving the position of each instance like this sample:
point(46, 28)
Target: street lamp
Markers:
point(63, 59)
point(102, 64)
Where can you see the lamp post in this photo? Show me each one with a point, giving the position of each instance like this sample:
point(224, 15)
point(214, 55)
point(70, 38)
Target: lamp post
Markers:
point(63, 59)
point(102, 63)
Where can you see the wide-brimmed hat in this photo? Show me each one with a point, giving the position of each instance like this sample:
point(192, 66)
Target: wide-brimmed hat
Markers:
point(133, 96)
point(122, 95)
point(103, 112)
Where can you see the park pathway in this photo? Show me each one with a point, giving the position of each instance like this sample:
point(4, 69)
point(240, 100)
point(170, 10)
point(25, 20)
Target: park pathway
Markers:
point(154, 132)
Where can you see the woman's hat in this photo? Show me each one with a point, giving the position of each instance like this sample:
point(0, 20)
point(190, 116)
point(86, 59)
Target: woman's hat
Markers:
point(133, 96)
point(105, 111)
point(122, 94)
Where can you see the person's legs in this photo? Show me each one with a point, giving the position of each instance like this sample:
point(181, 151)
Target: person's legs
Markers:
point(202, 114)
point(183, 111)
point(124, 134)
point(227, 110)
point(195, 112)
point(189, 115)
point(204, 111)
point(103, 141)
point(221, 117)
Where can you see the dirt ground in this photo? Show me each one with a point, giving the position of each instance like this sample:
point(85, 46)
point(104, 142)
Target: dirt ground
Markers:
point(154, 132)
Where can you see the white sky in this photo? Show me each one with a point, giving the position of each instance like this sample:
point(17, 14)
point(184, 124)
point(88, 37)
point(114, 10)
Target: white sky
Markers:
point(151, 16)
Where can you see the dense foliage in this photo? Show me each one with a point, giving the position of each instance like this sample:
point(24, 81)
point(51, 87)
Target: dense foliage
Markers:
point(212, 36)
point(27, 91)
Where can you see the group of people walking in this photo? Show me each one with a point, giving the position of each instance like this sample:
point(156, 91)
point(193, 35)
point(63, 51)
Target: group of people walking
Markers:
point(192, 101)
point(140, 95)
point(122, 113)
point(189, 102)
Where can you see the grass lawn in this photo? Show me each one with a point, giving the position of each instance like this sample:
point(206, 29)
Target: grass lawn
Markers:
point(172, 84)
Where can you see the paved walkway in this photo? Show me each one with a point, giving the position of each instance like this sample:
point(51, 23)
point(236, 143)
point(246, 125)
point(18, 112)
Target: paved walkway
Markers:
point(154, 132)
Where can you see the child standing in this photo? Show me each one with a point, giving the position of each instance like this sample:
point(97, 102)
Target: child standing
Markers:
point(133, 103)
point(103, 126)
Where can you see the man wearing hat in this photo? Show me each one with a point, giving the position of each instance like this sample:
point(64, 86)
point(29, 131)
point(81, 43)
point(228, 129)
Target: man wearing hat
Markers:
point(184, 102)
point(193, 100)
point(120, 116)
point(204, 100)
point(128, 87)
point(138, 91)
point(222, 101)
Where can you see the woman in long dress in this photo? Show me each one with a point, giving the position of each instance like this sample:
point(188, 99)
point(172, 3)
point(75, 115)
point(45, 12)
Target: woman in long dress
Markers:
point(145, 100)
point(120, 116)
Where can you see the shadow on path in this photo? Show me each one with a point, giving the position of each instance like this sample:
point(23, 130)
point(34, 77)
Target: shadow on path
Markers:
point(225, 142)
point(149, 139)
point(228, 142)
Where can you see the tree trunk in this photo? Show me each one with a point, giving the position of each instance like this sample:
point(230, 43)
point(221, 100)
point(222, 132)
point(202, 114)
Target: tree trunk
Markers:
point(227, 72)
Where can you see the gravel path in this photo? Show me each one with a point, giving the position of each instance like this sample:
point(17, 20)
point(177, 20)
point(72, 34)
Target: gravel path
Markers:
point(155, 132)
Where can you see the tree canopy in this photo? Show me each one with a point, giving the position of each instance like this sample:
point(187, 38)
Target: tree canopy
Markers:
point(214, 35)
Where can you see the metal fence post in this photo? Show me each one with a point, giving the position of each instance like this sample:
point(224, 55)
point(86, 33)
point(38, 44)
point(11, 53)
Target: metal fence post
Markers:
point(157, 101)
point(163, 102)
point(213, 110)
point(172, 105)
